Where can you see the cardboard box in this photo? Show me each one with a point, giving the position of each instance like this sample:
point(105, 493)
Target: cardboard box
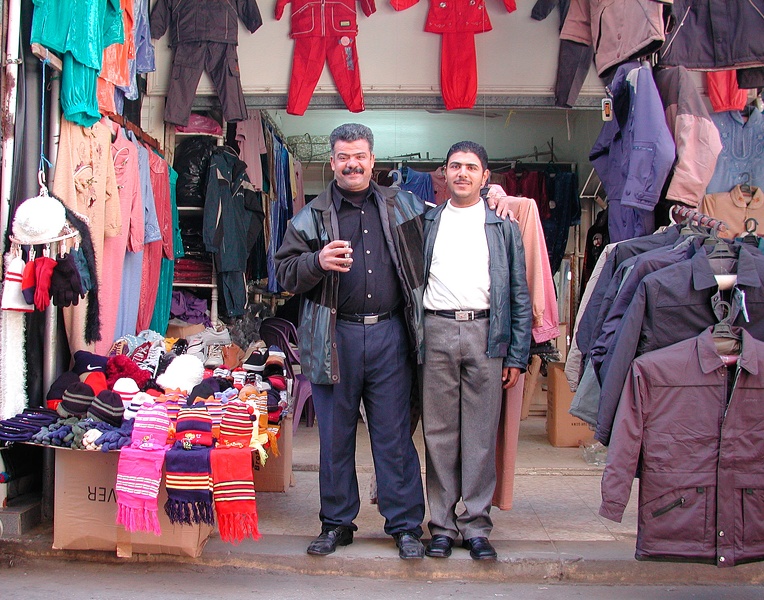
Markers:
point(276, 475)
point(85, 511)
point(180, 329)
point(563, 429)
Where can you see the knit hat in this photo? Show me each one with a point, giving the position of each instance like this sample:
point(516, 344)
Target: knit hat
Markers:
point(127, 389)
point(13, 299)
point(194, 425)
point(38, 219)
point(57, 388)
point(121, 366)
point(96, 380)
point(107, 407)
point(151, 428)
point(139, 399)
point(183, 373)
point(201, 391)
point(87, 362)
point(76, 400)
point(239, 421)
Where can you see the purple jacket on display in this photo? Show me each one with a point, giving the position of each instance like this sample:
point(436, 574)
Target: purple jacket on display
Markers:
point(697, 428)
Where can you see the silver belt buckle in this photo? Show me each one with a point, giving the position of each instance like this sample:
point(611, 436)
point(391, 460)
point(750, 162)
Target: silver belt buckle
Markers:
point(464, 315)
point(370, 319)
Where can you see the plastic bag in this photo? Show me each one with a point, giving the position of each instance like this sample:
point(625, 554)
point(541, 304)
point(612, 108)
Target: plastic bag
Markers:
point(192, 159)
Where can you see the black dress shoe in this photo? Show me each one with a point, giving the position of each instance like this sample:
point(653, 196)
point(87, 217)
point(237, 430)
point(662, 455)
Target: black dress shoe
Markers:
point(439, 546)
point(409, 545)
point(330, 538)
point(480, 548)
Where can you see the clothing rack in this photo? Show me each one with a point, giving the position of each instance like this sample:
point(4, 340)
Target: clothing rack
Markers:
point(139, 133)
point(276, 130)
point(693, 215)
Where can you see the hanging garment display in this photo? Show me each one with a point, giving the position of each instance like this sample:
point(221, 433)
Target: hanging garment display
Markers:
point(324, 35)
point(633, 153)
point(735, 208)
point(457, 21)
point(694, 427)
point(713, 35)
point(696, 137)
point(204, 35)
point(740, 161)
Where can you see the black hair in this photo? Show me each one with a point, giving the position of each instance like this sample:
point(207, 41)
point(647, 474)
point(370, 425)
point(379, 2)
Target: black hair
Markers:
point(467, 146)
point(352, 132)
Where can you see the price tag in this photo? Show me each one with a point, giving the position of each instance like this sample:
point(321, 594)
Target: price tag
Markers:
point(607, 109)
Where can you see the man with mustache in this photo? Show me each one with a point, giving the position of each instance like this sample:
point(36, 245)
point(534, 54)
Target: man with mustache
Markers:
point(355, 255)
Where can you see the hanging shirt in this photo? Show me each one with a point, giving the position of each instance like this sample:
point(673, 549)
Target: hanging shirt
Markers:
point(742, 157)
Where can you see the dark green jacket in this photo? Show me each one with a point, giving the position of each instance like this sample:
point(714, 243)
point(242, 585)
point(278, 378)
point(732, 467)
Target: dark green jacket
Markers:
point(509, 332)
point(298, 271)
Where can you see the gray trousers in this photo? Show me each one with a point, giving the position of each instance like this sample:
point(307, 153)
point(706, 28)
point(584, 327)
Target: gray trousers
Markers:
point(460, 414)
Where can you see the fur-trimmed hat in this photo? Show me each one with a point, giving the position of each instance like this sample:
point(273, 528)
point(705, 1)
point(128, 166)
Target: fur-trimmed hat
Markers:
point(183, 373)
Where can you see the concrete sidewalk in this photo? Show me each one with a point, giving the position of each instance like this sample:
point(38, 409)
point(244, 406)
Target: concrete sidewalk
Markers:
point(552, 533)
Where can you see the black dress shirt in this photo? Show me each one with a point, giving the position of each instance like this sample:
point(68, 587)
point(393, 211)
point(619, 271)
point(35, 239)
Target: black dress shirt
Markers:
point(371, 286)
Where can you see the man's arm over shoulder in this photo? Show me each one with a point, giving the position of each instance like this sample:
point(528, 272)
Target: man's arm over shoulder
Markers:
point(297, 268)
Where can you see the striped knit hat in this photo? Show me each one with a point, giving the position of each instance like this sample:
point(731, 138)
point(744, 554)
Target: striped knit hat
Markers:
point(76, 400)
point(141, 398)
point(239, 421)
point(194, 425)
point(107, 407)
point(127, 389)
point(151, 428)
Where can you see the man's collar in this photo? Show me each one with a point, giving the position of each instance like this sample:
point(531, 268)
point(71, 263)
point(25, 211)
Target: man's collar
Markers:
point(338, 196)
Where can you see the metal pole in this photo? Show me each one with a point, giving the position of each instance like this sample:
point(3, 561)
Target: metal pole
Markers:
point(8, 112)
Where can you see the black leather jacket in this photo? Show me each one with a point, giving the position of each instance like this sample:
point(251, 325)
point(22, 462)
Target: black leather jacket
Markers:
point(509, 332)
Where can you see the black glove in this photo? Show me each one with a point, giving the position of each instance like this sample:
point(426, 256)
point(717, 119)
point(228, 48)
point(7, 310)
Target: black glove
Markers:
point(82, 268)
point(65, 283)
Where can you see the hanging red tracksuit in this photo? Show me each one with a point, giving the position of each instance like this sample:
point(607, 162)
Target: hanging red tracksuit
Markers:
point(324, 31)
point(457, 21)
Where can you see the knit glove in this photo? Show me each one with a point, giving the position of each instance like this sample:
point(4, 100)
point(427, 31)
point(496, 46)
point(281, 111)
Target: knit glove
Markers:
point(91, 438)
point(82, 269)
point(43, 271)
point(28, 282)
point(65, 283)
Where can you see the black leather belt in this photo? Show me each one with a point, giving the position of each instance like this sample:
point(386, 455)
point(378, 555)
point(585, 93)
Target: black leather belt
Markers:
point(460, 315)
point(368, 319)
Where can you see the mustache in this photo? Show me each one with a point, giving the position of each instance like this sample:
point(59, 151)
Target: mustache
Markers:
point(350, 170)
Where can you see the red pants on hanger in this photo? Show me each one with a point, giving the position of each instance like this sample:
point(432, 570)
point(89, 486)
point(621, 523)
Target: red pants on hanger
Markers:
point(458, 70)
point(310, 54)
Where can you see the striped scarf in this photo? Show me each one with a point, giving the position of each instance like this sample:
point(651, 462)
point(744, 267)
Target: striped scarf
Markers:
point(234, 493)
point(189, 485)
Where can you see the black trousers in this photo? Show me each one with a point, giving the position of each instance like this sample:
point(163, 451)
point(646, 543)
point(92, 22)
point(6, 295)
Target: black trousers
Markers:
point(374, 365)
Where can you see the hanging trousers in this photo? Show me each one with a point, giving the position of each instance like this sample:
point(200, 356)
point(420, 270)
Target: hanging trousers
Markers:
point(310, 54)
point(458, 70)
point(373, 366)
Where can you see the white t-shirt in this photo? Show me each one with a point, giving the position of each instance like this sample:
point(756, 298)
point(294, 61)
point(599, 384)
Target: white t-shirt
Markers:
point(459, 273)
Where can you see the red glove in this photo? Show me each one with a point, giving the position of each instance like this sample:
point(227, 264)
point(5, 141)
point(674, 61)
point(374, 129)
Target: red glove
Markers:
point(28, 282)
point(43, 270)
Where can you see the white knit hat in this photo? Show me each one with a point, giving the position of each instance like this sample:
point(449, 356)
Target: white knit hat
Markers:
point(13, 299)
point(38, 219)
point(127, 389)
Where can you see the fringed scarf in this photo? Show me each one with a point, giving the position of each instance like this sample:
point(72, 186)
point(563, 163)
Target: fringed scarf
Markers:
point(139, 474)
point(234, 493)
point(188, 479)
point(139, 471)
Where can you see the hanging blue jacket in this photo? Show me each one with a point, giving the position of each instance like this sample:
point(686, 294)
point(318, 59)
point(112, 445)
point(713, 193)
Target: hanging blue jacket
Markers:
point(634, 152)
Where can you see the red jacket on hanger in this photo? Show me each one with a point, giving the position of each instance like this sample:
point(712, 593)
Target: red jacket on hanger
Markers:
point(318, 18)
